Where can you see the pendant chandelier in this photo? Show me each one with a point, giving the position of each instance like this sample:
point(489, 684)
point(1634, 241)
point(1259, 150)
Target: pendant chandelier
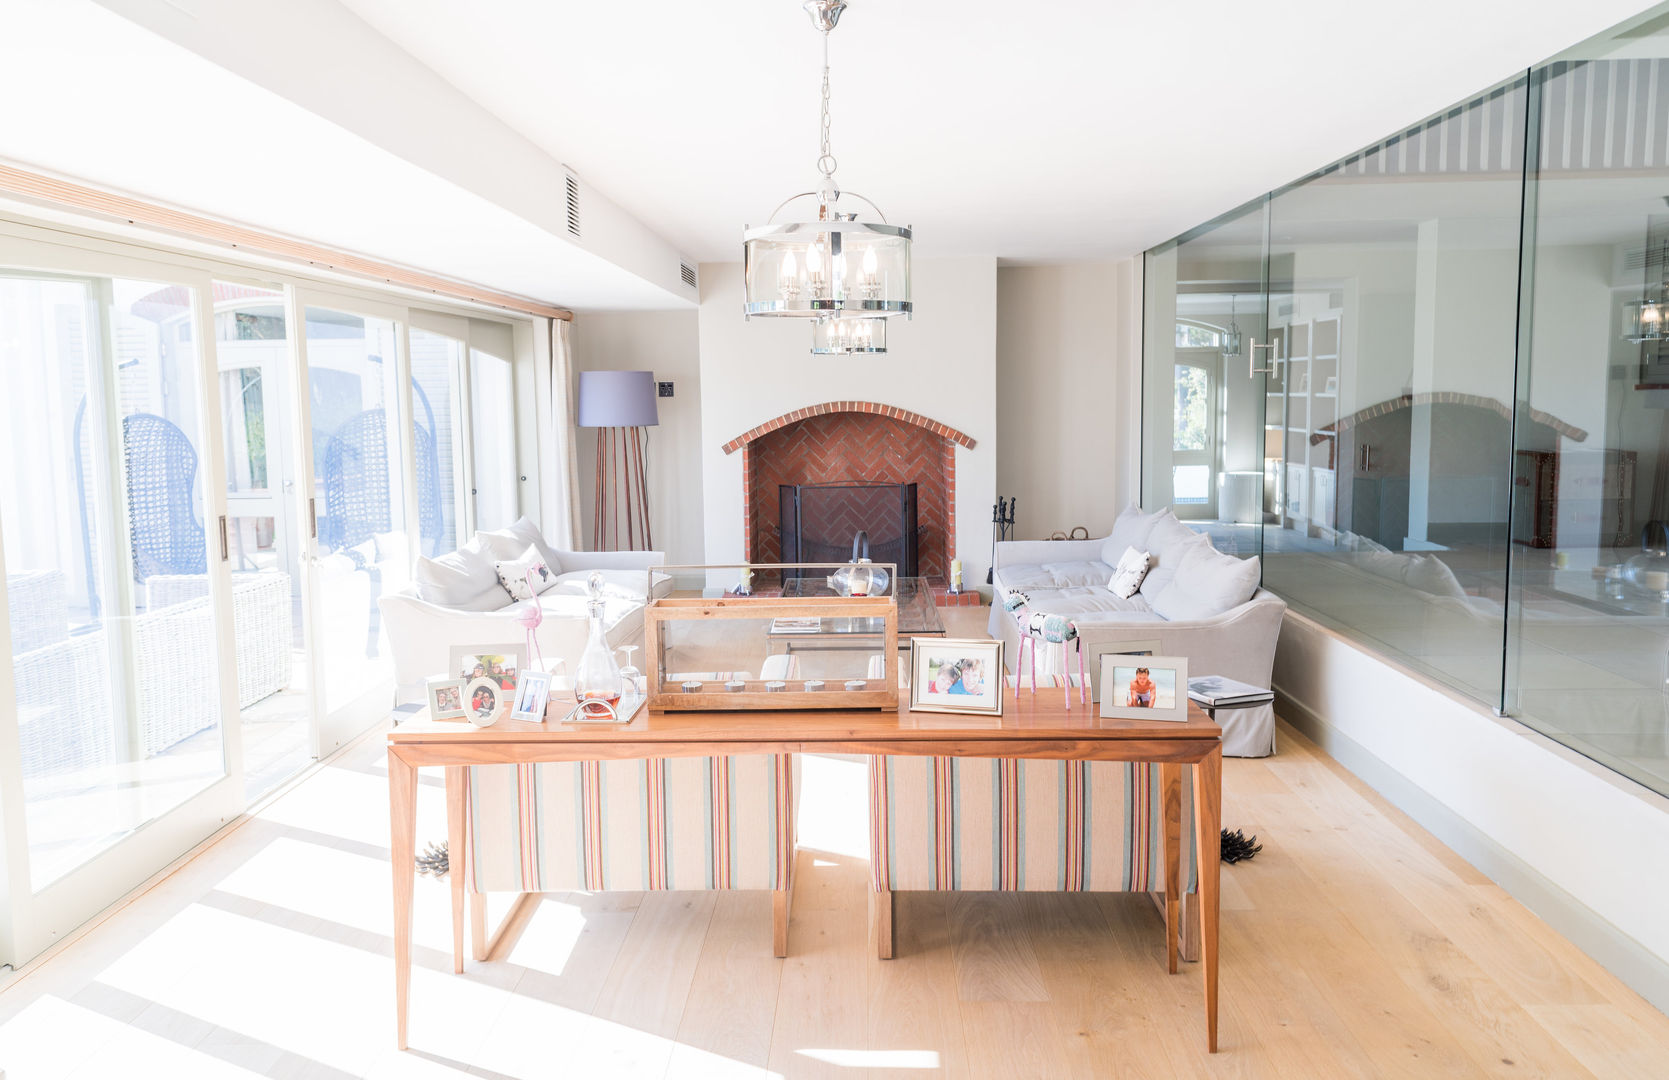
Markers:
point(1231, 337)
point(846, 275)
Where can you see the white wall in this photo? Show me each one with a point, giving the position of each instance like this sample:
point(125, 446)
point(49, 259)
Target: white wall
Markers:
point(1573, 841)
point(943, 365)
point(1068, 414)
point(663, 342)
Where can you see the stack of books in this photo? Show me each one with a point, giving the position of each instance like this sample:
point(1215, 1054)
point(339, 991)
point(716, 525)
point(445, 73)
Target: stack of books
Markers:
point(1217, 692)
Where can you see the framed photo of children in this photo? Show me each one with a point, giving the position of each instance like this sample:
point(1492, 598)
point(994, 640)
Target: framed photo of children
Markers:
point(500, 663)
point(1144, 687)
point(955, 676)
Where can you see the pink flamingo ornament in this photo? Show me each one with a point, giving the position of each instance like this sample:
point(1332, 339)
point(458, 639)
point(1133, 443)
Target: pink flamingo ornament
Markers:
point(531, 616)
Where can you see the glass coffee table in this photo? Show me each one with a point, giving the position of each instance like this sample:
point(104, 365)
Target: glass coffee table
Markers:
point(918, 616)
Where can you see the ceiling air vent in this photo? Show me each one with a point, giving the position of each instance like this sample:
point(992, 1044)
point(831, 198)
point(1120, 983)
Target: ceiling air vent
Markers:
point(573, 205)
point(687, 272)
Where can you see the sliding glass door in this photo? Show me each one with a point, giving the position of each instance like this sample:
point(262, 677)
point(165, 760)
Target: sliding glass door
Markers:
point(361, 502)
point(117, 757)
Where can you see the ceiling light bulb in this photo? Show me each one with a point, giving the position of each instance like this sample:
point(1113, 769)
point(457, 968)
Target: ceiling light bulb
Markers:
point(869, 263)
point(789, 267)
point(814, 261)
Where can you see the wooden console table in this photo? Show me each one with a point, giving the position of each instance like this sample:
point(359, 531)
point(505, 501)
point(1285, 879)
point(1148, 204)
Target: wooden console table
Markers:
point(1032, 726)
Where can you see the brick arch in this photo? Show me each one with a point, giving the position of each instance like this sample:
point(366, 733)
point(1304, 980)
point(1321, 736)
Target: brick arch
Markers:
point(944, 431)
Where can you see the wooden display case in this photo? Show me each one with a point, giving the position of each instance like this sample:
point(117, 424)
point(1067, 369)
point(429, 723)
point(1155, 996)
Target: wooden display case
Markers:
point(668, 695)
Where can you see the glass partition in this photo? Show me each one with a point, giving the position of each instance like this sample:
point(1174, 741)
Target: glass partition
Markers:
point(1392, 306)
point(1589, 633)
point(1204, 400)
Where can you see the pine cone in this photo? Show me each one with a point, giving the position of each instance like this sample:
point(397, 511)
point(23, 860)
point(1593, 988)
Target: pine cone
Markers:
point(1237, 848)
point(433, 860)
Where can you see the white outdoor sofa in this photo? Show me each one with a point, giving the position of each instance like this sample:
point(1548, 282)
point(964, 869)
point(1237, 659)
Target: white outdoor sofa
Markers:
point(456, 600)
point(1230, 629)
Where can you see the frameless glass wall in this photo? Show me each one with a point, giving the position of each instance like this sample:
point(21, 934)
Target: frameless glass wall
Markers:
point(1590, 583)
point(1459, 344)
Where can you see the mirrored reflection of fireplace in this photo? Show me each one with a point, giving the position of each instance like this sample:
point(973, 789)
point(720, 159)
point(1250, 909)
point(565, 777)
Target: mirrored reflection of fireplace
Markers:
point(819, 522)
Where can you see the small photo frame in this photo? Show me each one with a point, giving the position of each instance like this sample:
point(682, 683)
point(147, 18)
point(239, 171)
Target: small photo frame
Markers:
point(446, 699)
point(501, 663)
point(956, 676)
point(1332, 385)
point(1094, 653)
point(1144, 687)
point(533, 689)
point(483, 698)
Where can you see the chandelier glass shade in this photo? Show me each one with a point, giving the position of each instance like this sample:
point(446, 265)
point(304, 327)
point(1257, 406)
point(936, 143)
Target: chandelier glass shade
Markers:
point(829, 266)
point(845, 335)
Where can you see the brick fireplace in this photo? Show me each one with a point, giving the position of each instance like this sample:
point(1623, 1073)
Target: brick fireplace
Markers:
point(852, 441)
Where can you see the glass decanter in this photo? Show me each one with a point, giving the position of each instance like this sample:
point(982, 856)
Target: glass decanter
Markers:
point(598, 684)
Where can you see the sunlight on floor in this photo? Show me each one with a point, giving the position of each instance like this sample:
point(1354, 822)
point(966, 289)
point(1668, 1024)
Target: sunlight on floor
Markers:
point(876, 1059)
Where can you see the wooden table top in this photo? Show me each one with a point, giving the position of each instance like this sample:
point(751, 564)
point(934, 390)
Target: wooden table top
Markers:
point(1026, 718)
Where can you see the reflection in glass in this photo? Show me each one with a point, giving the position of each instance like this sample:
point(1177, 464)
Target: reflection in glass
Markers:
point(263, 533)
point(436, 376)
point(114, 657)
point(1588, 644)
point(363, 545)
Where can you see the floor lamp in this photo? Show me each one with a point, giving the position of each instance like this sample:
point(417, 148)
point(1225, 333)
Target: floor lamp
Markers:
point(619, 404)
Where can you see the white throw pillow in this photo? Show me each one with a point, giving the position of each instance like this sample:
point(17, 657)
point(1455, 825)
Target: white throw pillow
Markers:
point(463, 579)
point(1168, 533)
point(506, 544)
point(1129, 531)
point(514, 574)
point(1162, 571)
point(1128, 574)
point(1207, 584)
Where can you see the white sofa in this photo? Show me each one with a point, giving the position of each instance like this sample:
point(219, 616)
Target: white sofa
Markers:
point(1194, 602)
point(456, 600)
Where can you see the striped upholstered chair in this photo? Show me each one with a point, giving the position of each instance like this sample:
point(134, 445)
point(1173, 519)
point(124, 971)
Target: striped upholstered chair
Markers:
point(724, 822)
point(1008, 824)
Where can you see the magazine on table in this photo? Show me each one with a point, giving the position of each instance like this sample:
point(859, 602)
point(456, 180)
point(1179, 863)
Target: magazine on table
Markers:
point(1216, 692)
point(810, 625)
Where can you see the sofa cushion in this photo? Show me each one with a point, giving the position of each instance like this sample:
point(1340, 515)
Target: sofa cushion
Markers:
point(463, 579)
point(1162, 570)
point(510, 543)
point(1029, 576)
point(1167, 534)
point(617, 584)
point(1130, 530)
point(1128, 574)
point(525, 577)
point(1207, 583)
point(1084, 603)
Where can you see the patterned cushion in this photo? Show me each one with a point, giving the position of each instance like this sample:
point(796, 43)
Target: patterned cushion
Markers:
point(1021, 824)
point(663, 823)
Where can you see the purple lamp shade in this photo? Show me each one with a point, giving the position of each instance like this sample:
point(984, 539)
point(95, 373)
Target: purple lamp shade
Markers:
point(618, 399)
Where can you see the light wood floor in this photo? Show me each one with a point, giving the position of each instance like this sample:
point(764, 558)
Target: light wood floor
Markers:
point(1354, 945)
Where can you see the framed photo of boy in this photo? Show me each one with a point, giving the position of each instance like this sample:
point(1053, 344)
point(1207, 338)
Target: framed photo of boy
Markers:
point(446, 699)
point(1144, 687)
point(533, 689)
point(956, 676)
point(500, 663)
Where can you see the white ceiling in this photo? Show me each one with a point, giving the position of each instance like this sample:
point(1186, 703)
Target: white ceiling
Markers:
point(1033, 132)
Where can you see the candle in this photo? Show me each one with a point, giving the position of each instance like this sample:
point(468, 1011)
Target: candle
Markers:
point(813, 685)
point(775, 687)
point(735, 686)
point(692, 687)
point(956, 575)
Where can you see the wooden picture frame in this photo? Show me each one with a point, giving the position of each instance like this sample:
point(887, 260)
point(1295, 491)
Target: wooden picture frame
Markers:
point(933, 658)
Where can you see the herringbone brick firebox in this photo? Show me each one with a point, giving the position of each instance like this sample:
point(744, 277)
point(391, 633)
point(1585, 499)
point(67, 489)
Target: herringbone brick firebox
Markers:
point(852, 440)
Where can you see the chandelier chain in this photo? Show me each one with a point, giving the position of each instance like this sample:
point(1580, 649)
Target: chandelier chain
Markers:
point(826, 160)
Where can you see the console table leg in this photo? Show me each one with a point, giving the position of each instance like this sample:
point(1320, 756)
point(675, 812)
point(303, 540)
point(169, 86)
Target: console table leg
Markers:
point(457, 776)
point(1170, 782)
point(1208, 812)
point(402, 820)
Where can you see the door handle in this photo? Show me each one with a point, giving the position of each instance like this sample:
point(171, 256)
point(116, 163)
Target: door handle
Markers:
point(1252, 358)
point(225, 555)
point(313, 518)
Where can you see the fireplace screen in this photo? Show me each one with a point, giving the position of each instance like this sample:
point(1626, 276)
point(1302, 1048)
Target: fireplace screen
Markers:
point(821, 522)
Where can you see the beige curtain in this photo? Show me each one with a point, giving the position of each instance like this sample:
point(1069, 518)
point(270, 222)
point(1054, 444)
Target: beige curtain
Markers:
point(559, 472)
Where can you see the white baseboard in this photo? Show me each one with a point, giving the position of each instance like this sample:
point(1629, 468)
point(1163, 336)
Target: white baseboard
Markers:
point(1615, 950)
